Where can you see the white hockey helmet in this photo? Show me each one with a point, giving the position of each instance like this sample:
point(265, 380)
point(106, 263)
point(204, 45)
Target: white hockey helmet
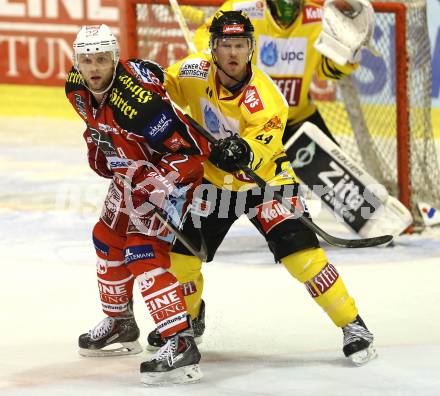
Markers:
point(93, 39)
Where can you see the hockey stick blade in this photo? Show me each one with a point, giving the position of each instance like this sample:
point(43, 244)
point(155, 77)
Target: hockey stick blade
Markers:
point(201, 253)
point(330, 239)
point(346, 243)
point(105, 144)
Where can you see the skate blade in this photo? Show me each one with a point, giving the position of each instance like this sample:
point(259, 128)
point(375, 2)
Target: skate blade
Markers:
point(126, 348)
point(181, 375)
point(152, 348)
point(362, 357)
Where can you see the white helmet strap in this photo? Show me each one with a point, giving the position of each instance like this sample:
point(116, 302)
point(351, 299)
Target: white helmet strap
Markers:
point(105, 89)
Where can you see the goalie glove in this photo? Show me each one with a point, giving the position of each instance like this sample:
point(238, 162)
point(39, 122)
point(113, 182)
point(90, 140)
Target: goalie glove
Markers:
point(231, 154)
point(347, 26)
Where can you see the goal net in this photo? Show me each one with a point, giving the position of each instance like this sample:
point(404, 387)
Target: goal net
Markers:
point(381, 114)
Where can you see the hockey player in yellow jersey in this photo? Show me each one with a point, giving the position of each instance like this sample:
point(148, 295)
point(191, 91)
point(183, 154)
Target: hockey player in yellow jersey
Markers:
point(246, 113)
point(297, 41)
point(238, 107)
point(285, 33)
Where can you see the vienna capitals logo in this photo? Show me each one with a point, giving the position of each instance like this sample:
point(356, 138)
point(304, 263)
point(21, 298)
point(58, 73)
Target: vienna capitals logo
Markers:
point(304, 156)
point(269, 54)
point(211, 120)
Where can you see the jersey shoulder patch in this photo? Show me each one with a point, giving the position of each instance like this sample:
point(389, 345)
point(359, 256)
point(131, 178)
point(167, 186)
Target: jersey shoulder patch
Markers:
point(141, 69)
point(274, 123)
point(195, 68)
point(73, 80)
point(76, 93)
point(251, 100)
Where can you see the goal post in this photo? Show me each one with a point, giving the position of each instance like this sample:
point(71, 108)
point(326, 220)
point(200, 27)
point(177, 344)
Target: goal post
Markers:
point(381, 115)
point(402, 105)
point(129, 27)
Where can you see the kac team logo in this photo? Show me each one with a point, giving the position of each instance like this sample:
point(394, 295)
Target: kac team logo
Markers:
point(211, 120)
point(269, 54)
point(145, 282)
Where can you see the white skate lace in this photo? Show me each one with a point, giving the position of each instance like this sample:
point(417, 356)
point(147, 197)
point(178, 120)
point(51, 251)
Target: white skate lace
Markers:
point(354, 332)
point(102, 329)
point(168, 351)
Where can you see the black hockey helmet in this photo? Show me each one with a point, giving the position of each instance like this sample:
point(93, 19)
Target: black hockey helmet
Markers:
point(229, 24)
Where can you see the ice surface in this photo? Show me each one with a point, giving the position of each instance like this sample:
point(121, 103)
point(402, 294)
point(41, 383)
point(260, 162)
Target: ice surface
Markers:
point(265, 336)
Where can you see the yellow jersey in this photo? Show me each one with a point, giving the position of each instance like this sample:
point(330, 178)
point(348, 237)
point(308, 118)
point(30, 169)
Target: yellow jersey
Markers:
point(286, 55)
point(258, 114)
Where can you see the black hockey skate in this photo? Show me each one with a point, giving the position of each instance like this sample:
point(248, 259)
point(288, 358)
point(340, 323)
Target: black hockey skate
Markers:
point(111, 337)
point(155, 341)
point(177, 362)
point(358, 342)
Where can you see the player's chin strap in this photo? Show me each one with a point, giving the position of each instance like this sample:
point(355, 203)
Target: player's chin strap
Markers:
point(330, 239)
point(240, 83)
point(98, 92)
point(115, 62)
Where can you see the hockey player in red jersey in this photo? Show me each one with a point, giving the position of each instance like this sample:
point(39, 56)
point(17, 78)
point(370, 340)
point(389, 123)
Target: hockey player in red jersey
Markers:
point(136, 138)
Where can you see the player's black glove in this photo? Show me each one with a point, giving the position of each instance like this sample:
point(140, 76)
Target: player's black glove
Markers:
point(231, 153)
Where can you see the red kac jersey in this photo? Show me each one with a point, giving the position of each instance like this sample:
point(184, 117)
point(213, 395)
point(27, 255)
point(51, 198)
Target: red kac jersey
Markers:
point(136, 117)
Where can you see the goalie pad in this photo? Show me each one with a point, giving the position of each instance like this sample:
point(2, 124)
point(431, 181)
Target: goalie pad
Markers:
point(347, 26)
point(346, 189)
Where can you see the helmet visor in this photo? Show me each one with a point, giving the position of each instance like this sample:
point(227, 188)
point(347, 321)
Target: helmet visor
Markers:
point(285, 10)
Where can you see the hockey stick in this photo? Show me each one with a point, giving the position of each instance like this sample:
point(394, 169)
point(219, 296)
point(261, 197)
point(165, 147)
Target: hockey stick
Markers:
point(105, 144)
point(183, 26)
point(330, 239)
